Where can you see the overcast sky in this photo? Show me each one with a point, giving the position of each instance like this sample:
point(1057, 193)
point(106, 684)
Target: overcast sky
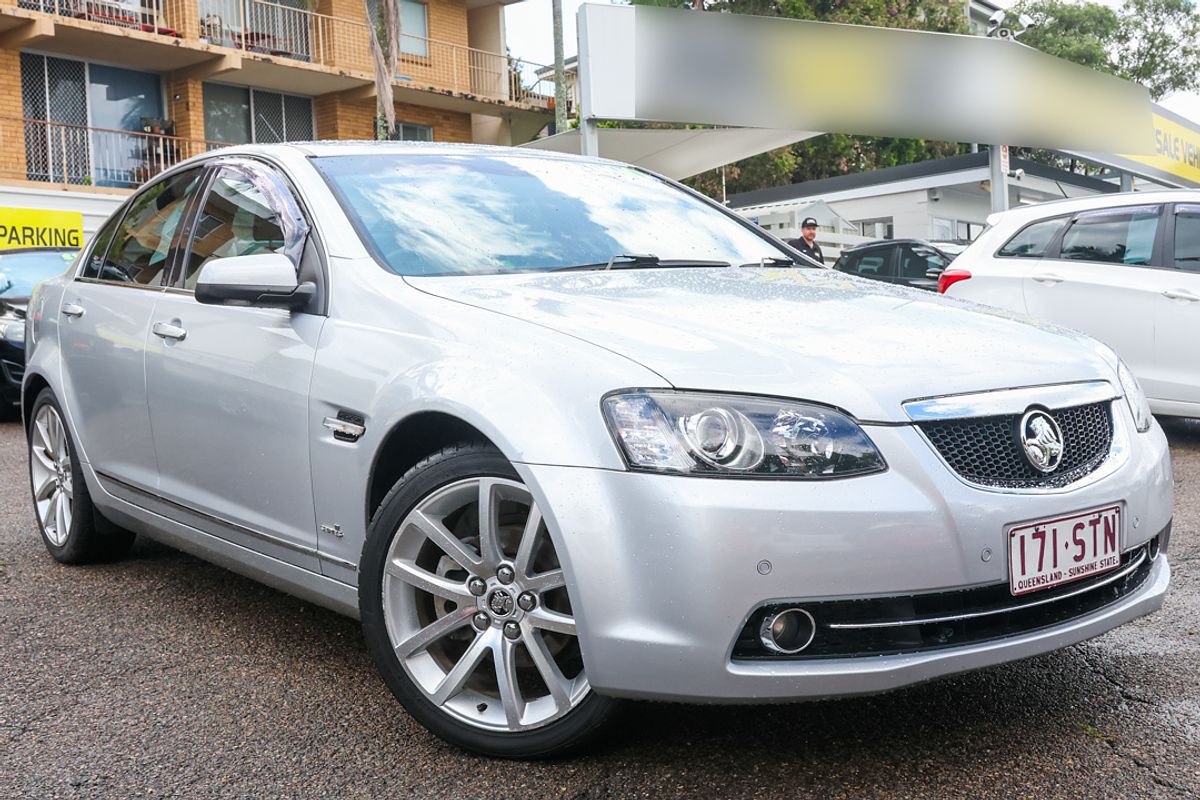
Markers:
point(530, 36)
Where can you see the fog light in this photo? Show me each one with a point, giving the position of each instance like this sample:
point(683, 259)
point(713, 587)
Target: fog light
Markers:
point(788, 631)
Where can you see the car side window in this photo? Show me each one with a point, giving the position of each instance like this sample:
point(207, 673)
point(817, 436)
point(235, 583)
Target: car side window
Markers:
point(921, 262)
point(100, 244)
point(239, 218)
point(872, 264)
point(140, 245)
point(1032, 240)
point(1113, 236)
point(1187, 238)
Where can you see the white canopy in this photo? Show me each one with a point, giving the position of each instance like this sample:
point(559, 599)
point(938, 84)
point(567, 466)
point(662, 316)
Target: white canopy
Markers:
point(676, 152)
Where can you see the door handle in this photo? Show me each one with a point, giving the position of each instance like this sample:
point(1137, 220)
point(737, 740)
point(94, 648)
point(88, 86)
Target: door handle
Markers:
point(1180, 294)
point(1048, 278)
point(167, 331)
point(72, 309)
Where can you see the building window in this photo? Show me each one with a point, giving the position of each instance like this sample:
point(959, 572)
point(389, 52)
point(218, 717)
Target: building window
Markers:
point(414, 26)
point(945, 230)
point(237, 115)
point(880, 228)
point(406, 132)
point(83, 120)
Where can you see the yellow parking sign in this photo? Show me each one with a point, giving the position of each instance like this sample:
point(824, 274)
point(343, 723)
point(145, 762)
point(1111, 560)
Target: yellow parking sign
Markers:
point(37, 227)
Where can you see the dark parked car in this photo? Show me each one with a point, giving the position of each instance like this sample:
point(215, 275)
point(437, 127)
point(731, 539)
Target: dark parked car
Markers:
point(20, 271)
point(909, 262)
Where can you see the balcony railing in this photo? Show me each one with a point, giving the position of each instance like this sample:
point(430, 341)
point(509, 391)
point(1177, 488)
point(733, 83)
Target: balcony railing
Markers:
point(142, 15)
point(295, 32)
point(286, 31)
point(57, 152)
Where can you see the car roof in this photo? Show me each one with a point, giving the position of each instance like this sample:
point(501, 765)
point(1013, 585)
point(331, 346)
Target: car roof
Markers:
point(375, 148)
point(1071, 205)
point(888, 243)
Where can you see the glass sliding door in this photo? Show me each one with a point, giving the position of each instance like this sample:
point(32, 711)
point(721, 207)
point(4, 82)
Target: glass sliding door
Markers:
point(120, 100)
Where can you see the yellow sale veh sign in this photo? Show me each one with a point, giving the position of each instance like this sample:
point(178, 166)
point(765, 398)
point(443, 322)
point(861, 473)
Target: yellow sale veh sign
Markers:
point(1178, 149)
point(36, 227)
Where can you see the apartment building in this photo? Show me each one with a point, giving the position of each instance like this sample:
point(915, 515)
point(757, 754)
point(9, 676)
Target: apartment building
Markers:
point(100, 95)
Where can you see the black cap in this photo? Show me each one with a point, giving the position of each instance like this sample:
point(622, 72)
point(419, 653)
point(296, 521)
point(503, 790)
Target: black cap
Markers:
point(809, 222)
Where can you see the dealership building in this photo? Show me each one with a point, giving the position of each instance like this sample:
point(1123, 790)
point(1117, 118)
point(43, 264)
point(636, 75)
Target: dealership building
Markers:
point(104, 94)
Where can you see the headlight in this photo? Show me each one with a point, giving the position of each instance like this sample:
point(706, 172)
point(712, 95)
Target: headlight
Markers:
point(12, 329)
point(708, 434)
point(1135, 397)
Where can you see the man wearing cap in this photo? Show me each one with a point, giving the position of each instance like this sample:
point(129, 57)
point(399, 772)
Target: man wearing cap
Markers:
point(807, 243)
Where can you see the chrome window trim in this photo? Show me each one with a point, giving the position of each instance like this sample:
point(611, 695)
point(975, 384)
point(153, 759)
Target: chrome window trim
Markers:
point(1008, 401)
point(1128, 569)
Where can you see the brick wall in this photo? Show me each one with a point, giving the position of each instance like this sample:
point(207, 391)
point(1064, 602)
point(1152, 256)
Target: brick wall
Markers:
point(12, 131)
point(340, 119)
point(188, 110)
point(448, 126)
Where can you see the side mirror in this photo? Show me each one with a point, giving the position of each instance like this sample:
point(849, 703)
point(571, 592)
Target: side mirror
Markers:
point(264, 280)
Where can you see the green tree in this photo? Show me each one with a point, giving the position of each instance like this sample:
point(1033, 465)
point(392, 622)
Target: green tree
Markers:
point(1158, 45)
point(1080, 32)
point(1153, 42)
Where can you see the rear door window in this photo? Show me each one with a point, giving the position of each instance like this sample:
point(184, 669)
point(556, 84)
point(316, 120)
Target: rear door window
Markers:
point(871, 264)
point(95, 261)
point(138, 253)
point(1113, 236)
point(1187, 238)
point(1032, 240)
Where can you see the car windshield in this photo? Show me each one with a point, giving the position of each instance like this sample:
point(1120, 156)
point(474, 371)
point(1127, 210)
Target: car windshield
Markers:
point(20, 272)
point(448, 214)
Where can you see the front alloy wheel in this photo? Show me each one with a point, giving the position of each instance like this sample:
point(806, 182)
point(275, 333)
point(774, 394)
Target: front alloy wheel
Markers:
point(480, 631)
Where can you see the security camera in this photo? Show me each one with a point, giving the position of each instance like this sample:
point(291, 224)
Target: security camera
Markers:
point(1004, 33)
point(995, 21)
point(1017, 174)
point(1027, 22)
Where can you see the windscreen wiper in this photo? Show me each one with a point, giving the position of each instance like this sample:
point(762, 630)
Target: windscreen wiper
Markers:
point(779, 261)
point(642, 261)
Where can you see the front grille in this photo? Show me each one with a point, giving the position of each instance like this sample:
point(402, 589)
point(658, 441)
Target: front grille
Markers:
point(987, 450)
point(923, 622)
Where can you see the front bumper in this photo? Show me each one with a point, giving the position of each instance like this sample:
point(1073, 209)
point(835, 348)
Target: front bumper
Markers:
point(664, 571)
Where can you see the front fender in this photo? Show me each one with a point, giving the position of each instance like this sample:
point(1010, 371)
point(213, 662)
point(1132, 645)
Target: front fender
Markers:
point(533, 392)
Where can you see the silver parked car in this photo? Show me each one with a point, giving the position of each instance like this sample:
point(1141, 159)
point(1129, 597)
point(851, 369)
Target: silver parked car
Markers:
point(560, 431)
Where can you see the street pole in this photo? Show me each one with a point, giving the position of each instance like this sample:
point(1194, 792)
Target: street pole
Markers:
point(560, 81)
point(588, 130)
point(999, 167)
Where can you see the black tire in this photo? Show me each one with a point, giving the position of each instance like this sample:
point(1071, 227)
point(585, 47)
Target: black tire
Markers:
point(90, 537)
point(565, 735)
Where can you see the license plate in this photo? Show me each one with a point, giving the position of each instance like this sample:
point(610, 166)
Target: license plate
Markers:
point(1055, 551)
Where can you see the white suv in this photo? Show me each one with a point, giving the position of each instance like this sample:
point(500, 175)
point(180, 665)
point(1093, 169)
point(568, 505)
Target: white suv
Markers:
point(1124, 268)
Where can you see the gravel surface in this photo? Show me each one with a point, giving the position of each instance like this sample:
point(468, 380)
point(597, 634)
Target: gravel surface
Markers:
point(164, 676)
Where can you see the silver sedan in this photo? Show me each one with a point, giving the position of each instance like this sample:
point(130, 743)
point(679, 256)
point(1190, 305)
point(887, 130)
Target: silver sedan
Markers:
point(561, 432)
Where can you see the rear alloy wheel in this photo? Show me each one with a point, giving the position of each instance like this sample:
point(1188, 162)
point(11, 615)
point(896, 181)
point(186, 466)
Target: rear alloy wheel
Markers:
point(50, 471)
point(473, 603)
point(72, 529)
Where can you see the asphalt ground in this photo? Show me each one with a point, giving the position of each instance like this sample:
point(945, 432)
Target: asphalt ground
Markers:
point(164, 676)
